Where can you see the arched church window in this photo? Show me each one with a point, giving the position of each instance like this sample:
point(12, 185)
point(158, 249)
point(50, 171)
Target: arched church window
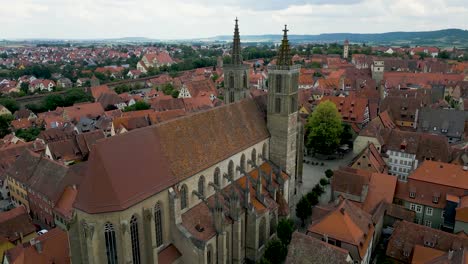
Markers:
point(111, 246)
point(231, 81)
point(278, 105)
point(209, 254)
point(242, 162)
point(272, 223)
point(264, 151)
point(201, 185)
point(135, 240)
point(158, 224)
point(231, 96)
point(254, 157)
point(279, 80)
point(261, 233)
point(183, 197)
point(231, 169)
point(216, 176)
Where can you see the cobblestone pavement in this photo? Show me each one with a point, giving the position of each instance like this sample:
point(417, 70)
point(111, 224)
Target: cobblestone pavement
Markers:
point(313, 173)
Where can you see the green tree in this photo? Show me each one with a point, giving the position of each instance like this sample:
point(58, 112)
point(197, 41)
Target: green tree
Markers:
point(10, 104)
point(175, 94)
point(76, 95)
point(303, 209)
point(347, 134)
point(5, 121)
point(51, 102)
point(324, 128)
point(275, 251)
point(312, 198)
point(329, 173)
point(444, 55)
point(24, 87)
point(28, 134)
point(140, 105)
point(324, 182)
point(318, 189)
point(284, 230)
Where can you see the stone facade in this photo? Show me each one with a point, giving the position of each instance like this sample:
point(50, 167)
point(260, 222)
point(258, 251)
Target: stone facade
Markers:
point(236, 241)
point(378, 68)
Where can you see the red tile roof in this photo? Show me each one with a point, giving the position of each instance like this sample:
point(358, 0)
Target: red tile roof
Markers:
point(347, 223)
point(407, 235)
point(52, 247)
point(177, 141)
point(441, 173)
point(15, 224)
point(305, 249)
point(352, 109)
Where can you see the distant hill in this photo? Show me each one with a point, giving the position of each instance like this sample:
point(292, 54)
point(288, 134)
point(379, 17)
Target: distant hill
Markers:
point(445, 37)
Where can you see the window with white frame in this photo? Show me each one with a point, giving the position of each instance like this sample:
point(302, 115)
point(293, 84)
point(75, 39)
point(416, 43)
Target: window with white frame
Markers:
point(428, 223)
point(412, 194)
point(429, 210)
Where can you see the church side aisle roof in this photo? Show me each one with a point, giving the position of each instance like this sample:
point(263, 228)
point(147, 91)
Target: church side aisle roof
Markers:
point(126, 169)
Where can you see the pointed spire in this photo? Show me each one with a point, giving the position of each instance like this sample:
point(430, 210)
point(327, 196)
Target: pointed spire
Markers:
point(284, 56)
point(236, 46)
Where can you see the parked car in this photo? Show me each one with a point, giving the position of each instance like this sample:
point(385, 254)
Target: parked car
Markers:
point(41, 232)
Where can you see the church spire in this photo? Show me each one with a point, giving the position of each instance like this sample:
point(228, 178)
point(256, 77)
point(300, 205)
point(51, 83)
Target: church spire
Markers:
point(284, 56)
point(236, 46)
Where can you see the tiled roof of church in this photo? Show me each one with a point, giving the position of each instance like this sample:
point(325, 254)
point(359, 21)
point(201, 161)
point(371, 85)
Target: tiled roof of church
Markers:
point(201, 214)
point(125, 169)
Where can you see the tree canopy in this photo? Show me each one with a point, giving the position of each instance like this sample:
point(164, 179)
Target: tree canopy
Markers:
point(324, 128)
point(10, 104)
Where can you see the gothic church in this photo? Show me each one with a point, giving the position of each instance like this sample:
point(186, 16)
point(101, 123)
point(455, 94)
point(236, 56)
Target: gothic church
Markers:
point(204, 188)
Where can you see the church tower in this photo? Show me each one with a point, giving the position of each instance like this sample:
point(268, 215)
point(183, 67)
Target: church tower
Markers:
point(236, 74)
point(282, 117)
point(346, 49)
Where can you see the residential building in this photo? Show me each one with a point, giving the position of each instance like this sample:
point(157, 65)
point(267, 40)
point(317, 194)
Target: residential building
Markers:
point(353, 110)
point(370, 159)
point(461, 216)
point(413, 243)
point(16, 227)
point(304, 249)
point(196, 89)
point(434, 191)
point(448, 123)
point(406, 150)
point(4, 110)
point(36, 182)
point(52, 246)
point(347, 227)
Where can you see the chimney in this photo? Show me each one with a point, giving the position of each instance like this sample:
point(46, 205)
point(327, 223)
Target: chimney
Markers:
point(342, 210)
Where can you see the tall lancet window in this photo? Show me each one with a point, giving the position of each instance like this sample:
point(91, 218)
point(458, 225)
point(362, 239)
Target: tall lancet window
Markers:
point(201, 185)
point(111, 246)
point(135, 240)
point(158, 224)
point(278, 83)
point(183, 197)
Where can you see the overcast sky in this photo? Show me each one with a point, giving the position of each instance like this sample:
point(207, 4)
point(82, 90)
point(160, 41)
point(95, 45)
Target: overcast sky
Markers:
point(176, 19)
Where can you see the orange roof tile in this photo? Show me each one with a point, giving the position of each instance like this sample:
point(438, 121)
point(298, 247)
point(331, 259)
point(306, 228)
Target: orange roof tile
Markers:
point(422, 255)
point(347, 223)
point(381, 188)
point(441, 173)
